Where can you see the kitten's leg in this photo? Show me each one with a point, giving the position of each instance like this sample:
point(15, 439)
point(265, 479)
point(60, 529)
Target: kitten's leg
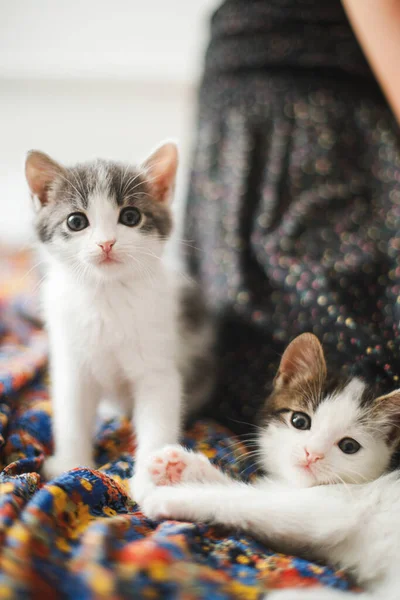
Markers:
point(291, 517)
point(175, 464)
point(157, 422)
point(216, 503)
point(74, 399)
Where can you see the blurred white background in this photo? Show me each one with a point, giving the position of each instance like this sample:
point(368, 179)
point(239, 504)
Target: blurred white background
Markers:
point(88, 78)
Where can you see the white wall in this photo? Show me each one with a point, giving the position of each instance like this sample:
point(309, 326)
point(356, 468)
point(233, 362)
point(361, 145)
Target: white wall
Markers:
point(88, 78)
point(126, 39)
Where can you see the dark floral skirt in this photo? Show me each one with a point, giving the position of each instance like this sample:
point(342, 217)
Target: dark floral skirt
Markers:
point(294, 218)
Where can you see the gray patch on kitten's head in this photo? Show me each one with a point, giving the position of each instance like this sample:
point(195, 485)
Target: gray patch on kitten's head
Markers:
point(74, 189)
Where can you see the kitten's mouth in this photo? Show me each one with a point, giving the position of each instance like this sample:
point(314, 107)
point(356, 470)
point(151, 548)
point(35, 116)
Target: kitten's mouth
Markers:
point(307, 468)
point(108, 260)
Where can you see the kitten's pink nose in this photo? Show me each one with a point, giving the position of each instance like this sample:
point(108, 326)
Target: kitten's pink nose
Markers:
point(106, 246)
point(312, 457)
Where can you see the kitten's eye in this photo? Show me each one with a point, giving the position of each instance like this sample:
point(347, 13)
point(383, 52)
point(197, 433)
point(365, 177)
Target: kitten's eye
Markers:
point(300, 420)
point(77, 221)
point(130, 216)
point(349, 446)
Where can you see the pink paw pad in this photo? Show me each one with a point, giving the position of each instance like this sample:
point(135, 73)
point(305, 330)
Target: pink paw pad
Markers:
point(173, 455)
point(167, 468)
point(174, 471)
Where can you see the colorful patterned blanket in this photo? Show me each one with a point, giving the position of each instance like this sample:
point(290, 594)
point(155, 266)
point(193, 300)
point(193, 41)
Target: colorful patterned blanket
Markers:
point(81, 536)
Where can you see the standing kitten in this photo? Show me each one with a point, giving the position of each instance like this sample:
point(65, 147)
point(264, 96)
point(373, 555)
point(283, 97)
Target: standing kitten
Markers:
point(119, 325)
point(327, 445)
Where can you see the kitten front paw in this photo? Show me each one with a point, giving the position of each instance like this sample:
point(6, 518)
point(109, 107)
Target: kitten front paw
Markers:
point(140, 485)
point(56, 465)
point(193, 503)
point(164, 503)
point(174, 464)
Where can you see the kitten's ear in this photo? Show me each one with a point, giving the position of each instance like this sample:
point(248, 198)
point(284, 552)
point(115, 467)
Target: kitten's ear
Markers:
point(161, 167)
point(40, 172)
point(303, 358)
point(388, 408)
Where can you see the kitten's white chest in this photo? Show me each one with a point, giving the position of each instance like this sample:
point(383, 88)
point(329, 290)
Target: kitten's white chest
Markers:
point(117, 330)
point(111, 339)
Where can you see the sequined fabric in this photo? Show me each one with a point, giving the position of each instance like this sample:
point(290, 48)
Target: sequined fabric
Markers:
point(294, 208)
point(260, 34)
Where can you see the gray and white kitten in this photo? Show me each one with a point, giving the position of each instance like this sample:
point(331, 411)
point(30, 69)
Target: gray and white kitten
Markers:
point(330, 496)
point(121, 326)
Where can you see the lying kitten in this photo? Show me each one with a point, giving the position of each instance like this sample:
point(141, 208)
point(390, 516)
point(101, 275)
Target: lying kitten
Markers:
point(120, 326)
point(326, 446)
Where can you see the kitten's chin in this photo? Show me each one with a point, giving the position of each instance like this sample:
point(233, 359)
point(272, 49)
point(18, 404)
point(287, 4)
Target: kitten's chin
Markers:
point(308, 478)
point(111, 272)
point(108, 265)
point(301, 477)
point(292, 475)
point(106, 269)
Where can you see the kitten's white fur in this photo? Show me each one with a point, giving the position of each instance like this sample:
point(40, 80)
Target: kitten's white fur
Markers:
point(121, 342)
point(354, 525)
point(113, 328)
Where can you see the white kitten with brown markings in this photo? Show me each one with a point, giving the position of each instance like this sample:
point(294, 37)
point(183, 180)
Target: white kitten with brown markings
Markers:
point(326, 446)
point(120, 324)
